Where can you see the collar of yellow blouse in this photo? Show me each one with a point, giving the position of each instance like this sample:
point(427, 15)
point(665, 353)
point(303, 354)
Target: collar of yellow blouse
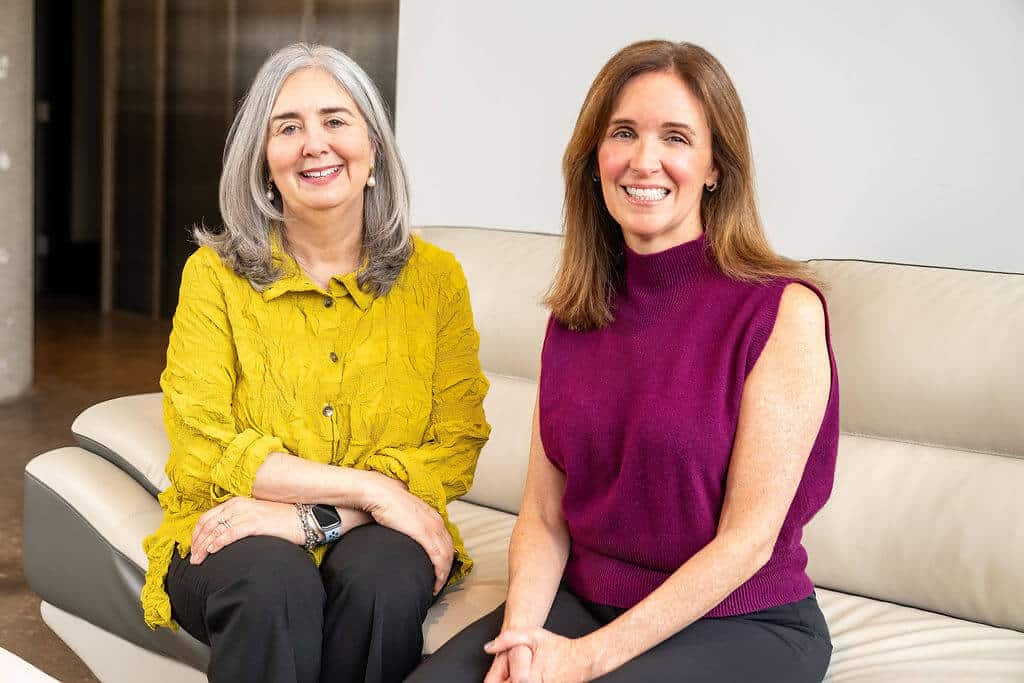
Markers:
point(293, 279)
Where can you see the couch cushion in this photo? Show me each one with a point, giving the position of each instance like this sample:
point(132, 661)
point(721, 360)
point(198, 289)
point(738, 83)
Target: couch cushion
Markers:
point(930, 527)
point(929, 355)
point(486, 533)
point(501, 471)
point(881, 642)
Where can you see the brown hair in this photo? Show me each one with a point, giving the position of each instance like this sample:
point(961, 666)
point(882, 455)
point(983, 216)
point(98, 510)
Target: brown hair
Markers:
point(592, 254)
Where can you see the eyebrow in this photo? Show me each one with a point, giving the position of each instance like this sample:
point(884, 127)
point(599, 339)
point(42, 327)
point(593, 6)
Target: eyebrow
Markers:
point(667, 124)
point(324, 111)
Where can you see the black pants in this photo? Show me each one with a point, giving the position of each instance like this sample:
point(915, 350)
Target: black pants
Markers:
point(268, 614)
point(787, 644)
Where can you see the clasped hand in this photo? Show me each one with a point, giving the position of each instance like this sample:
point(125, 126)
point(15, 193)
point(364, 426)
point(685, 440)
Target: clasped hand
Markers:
point(537, 656)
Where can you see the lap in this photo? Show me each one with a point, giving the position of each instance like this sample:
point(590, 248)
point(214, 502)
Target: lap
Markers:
point(372, 557)
point(788, 643)
point(261, 561)
point(782, 643)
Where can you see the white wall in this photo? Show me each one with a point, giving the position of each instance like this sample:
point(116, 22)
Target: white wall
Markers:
point(881, 130)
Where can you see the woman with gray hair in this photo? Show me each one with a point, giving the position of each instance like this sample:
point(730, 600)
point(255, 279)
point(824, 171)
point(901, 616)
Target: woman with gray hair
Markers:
point(322, 397)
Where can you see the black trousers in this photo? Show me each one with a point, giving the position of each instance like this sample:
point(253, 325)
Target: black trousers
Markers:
point(268, 614)
point(786, 644)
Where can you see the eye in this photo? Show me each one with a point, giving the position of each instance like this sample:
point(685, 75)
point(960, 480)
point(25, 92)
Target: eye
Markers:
point(335, 123)
point(678, 139)
point(623, 134)
point(288, 129)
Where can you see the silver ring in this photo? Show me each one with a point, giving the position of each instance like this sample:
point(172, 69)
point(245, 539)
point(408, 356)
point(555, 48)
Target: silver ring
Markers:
point(225, 522)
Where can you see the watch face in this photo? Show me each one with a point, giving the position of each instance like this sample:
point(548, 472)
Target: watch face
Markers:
point(326, 516)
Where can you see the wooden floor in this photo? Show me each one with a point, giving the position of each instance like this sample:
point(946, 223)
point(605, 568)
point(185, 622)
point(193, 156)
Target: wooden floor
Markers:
point(81, 358)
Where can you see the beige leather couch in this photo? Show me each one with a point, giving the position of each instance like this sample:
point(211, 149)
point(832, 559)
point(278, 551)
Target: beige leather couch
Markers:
point(918, 557)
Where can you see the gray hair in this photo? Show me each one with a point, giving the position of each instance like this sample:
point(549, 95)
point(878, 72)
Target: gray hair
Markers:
point(249, 217)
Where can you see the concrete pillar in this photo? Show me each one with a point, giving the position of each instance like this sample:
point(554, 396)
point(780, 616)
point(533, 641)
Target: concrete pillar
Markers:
point(16, 192)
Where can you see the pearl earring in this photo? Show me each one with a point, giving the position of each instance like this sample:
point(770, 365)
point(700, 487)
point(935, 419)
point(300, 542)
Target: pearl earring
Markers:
point(371, 181)
point(270, 190)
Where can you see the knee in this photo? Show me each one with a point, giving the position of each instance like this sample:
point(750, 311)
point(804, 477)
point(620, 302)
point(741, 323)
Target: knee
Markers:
point(283, 580)
point(400, 576)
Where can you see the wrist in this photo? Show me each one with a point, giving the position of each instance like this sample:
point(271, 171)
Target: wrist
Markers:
point(595, 654)
point(360, 488)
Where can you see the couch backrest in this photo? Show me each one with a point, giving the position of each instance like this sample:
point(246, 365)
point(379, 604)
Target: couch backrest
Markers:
point(926, 509)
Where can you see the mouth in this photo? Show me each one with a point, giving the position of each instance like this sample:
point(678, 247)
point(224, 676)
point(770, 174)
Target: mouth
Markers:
point(320, 175)
point(645, 196)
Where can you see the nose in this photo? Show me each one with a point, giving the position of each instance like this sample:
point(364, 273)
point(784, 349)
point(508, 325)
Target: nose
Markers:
point(645, 159)
point(315, 142)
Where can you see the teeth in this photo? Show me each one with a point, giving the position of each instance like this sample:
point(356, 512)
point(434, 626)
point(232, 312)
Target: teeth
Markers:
point(647, 193)
point(320, 174)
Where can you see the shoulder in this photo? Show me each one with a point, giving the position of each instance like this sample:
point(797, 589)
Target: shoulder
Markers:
point(204, 261)
point(205, 274)
point(801, 312)
point(430, 263)
point(429, 256)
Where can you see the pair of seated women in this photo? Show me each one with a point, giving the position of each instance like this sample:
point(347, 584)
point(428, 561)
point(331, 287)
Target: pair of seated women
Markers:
point(323, 399)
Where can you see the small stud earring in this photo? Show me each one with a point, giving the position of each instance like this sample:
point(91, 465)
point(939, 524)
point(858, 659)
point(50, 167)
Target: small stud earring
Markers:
point(371, 181)
point(595, 178)
point(270, 190)
point(712, 187)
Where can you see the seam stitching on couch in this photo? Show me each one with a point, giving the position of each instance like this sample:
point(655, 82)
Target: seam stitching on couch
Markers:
point(912, 442)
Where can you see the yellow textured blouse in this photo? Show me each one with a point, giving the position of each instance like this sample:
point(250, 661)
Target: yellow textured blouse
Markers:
point(391, 384)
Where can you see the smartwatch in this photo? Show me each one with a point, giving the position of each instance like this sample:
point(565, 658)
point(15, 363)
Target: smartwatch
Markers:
point(329, 521)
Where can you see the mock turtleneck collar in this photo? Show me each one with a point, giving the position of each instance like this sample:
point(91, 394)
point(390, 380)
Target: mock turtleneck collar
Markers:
point(673, 267)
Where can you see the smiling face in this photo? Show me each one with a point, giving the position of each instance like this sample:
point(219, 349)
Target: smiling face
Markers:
point(318, 147)
point(654, 162)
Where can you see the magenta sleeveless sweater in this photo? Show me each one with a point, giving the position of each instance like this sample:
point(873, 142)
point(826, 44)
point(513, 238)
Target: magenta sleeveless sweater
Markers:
point(640, 417)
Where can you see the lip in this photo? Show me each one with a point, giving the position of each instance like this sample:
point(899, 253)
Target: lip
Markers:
point(321, 180)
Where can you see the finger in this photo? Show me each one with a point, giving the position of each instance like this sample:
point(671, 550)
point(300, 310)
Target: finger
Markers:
point(205, 543)
point(208, 540)
point(439, 576)
point(208, 522)
point(508, 640)
point(498, 673)
point(520, 659)
point(222, 537)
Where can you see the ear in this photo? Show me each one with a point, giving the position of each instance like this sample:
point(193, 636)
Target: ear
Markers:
point(713, 176)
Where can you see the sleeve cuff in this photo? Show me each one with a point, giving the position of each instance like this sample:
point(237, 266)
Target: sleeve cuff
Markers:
point(235, 472)
point(422, 484)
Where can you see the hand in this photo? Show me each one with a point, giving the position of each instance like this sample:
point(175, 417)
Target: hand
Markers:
point(392, 505)
point(554, 659)
point(241, 517)
point(511, 665)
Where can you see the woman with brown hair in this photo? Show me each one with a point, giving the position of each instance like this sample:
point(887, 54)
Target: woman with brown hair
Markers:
point(687, 417)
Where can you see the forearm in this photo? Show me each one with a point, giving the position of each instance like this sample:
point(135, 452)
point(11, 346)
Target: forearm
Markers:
point(689, 593)
point(352, 518)
point(534, 576)
point(288, 479)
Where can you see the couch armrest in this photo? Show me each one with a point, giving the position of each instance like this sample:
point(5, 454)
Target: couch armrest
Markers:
point(129, 432)
point(85, 519)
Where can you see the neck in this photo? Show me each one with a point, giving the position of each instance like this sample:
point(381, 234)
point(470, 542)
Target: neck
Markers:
point(652, 244)
point(325, 243)
point(650, 275)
